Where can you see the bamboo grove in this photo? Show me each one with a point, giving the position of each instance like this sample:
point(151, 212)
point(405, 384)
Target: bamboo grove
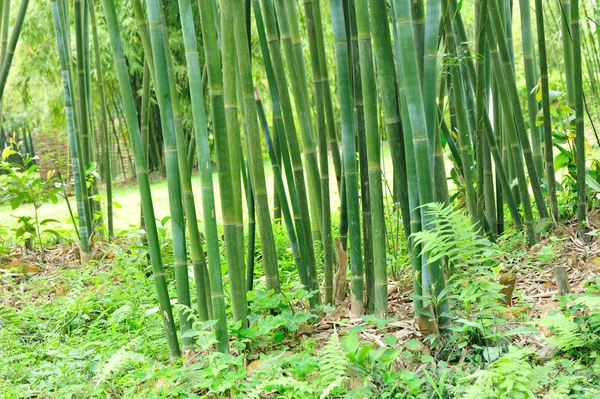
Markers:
point(413, 77)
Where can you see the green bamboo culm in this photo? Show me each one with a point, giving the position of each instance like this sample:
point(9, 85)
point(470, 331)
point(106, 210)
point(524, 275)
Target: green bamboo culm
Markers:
point(301, 210)
point(285, 208)
point(255, 156)
point(464, 132)
point(204, 165)
point(579, 111)
point(367, 71)
point(197, 252)
point(215, 84)
point(430, 68)
point(363, 164)
point(386, 75)
point(327, 100)
point(566, 8)
point(512, 140)
point(142, 178)
point(103, 123)
point(509, 82)
point(83, 109)
point(321, 127)
point(78, 172)
point(548, 147)
point(348, 155)
point(8, 50)
point(290, 38)
point(531, 82)
point(163, 95)
point(432, 276)
point(230, 81)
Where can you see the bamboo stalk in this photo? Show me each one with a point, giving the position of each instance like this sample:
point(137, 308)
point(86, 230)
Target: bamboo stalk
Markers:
point(548, 153)
point(78, 171)
point(432, 277)
point(510, 85)
point(379, 298)
point(579, 123)
point(103, 123)
point(349, 155)
point(142, 178)
point(204, 165)
point(290, 38)
point(255, 155)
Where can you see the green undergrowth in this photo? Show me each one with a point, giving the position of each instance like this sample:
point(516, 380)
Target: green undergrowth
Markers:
point(94, 331)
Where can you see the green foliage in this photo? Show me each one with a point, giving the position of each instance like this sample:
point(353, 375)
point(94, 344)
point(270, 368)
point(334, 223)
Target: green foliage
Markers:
point(511, 376)
point(454, 239)
point(575, 331)
point(27, 187)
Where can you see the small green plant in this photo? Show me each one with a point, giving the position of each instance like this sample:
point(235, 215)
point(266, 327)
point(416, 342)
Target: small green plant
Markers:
point(575, 330)
point(511, 376)
point(28, 187)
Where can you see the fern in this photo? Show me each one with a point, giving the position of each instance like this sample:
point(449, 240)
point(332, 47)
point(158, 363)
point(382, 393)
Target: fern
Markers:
point(576, 331)
point(272, 375)
point(566, 333)
point(453, 237)
point(118, 361)
point(511, 376)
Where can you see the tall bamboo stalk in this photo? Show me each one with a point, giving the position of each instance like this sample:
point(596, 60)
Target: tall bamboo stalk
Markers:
point(204, 165)
point(548, 148)
point(511, 85)
point(566, 9)
point(464, 135)
point(230, 86)
point(432, 277)
point(103, 122)
point(374, 158)
point(78, 171)
point(531, 82)
point(255, 155)
point(304, 228)
point(349, 155)
point(290, 38)
point(174, 178)
point(321, 127)
point(389, 102)
point(579, 111)
point(215, 79)
point(142, 177)
point(9, 49)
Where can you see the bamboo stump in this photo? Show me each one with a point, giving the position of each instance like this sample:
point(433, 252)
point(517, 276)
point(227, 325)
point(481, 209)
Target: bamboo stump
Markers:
point(508, 281)
point(562, 280)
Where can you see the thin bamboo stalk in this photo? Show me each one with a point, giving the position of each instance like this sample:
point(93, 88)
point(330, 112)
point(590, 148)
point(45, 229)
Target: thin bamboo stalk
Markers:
point(142, 178)
point(579, 123)
point(510, 85)
point(531, 82)
point(174, 178)
point(290, 38)
point(432, 277)
point(78, 171)
point(379, 298)
point(303, 224)
point(9, 49)
point(204, 165)
point(103, 123)
point(349, 155)
point(255, 155)
point(548, 153)
point(389, 96)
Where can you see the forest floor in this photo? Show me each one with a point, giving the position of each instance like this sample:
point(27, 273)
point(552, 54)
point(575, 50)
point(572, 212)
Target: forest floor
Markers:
point(69, 330)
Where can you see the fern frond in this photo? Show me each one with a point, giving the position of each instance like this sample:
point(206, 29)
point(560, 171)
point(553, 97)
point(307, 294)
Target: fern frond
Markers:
point(118, 361)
